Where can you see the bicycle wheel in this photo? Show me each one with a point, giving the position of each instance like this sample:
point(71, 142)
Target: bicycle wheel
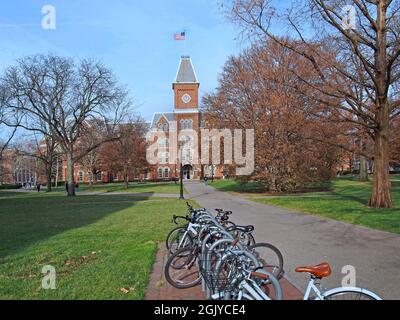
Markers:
point(228, 224)
point(181, 270)
point(245, 238)
point(270, 258)
point(350, 294)
point(264, 286)
point(177, 239)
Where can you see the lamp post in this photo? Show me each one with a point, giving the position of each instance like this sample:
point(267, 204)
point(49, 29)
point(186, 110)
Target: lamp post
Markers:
point(181, 197)
point(212, 173)
point(175, 178)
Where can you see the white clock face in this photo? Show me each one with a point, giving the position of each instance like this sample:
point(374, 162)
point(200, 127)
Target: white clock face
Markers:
point(186, 98)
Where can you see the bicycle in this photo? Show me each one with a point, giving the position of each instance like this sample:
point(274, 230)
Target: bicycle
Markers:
point(323, 270)
point(228, 268)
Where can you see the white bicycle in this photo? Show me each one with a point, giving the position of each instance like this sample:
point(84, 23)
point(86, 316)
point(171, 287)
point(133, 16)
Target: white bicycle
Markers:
point(323, 270)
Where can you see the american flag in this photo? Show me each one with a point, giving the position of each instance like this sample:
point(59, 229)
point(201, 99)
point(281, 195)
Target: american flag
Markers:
point(180, 36)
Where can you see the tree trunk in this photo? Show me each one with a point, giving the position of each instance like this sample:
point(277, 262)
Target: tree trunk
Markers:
point(91, 176)
point(71, 182)
point(49, 182)
point(49, 171)
point(57, 173)
point(126, 181)
point(363, 162)
point(363, 169)
point(381, 194)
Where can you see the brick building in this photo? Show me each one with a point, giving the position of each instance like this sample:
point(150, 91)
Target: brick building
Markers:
point(184, 123)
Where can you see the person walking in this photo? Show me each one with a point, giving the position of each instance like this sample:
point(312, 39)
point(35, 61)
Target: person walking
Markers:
point(38, 186)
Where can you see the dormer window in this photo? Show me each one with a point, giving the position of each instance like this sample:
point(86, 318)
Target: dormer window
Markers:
point(163, 127)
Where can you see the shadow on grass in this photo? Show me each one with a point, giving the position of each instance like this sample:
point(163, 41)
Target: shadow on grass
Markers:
point(28, 219)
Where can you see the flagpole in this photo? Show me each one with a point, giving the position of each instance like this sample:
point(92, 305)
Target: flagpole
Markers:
point(184, 43)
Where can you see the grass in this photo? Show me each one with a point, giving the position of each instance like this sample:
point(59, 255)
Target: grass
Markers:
point(149, 187)
point(230, 185)
point(345, 202)
point(98, 245)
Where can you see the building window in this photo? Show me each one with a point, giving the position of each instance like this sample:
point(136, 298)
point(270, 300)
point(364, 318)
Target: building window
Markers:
point(163, 157)
point(186, 124)
point(163, 127)
point(146, 175)
point(80, 176)
point(163, 143)
point(99, 176)
point(186, 141)
point(166, 173)
point(160, 173)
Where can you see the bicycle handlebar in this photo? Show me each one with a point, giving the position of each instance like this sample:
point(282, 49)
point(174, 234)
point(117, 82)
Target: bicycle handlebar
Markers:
point(175, 217)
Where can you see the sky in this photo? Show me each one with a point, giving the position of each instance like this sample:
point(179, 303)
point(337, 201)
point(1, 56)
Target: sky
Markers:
point(132, 37)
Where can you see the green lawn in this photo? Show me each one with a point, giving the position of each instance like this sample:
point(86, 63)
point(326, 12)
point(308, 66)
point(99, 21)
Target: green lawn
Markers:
point(149, 187)
point(230, 185)
point(345, 202)
point(98, 245)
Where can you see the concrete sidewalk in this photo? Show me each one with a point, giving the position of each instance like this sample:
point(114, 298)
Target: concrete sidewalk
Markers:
point(308, 240)
point(132, 194)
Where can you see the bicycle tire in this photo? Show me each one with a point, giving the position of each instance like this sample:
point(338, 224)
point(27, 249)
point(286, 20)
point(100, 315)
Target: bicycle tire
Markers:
point(346, 293)
point(278, 272)
point(170, 238)
point(186, 253)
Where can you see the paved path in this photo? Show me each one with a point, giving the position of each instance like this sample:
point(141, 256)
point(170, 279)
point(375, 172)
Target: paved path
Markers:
point(306, 240)
point(139, 194)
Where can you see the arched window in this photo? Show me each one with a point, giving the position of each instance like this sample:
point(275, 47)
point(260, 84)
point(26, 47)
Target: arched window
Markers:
point(187, 141)
point(163, 157)
point(163, 127)
point(186, 124)
point(163, 143)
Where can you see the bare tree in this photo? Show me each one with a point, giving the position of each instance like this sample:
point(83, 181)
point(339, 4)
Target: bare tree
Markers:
point(127, 154)
point(252, 93)
point(6, 134)
point(363, 53)
point(64, 95)
point(88, 148)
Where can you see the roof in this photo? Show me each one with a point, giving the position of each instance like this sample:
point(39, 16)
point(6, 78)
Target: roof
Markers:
point(186, 72)
point(169, 116)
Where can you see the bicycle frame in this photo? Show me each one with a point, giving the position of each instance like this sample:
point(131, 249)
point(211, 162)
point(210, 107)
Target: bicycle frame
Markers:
point(322, 295)
point(312, 287)
point(190, 228)
point(246, 291)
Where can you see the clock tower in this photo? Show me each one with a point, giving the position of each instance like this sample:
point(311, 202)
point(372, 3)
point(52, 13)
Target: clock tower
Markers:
point(187, 117)
point(186, 87)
